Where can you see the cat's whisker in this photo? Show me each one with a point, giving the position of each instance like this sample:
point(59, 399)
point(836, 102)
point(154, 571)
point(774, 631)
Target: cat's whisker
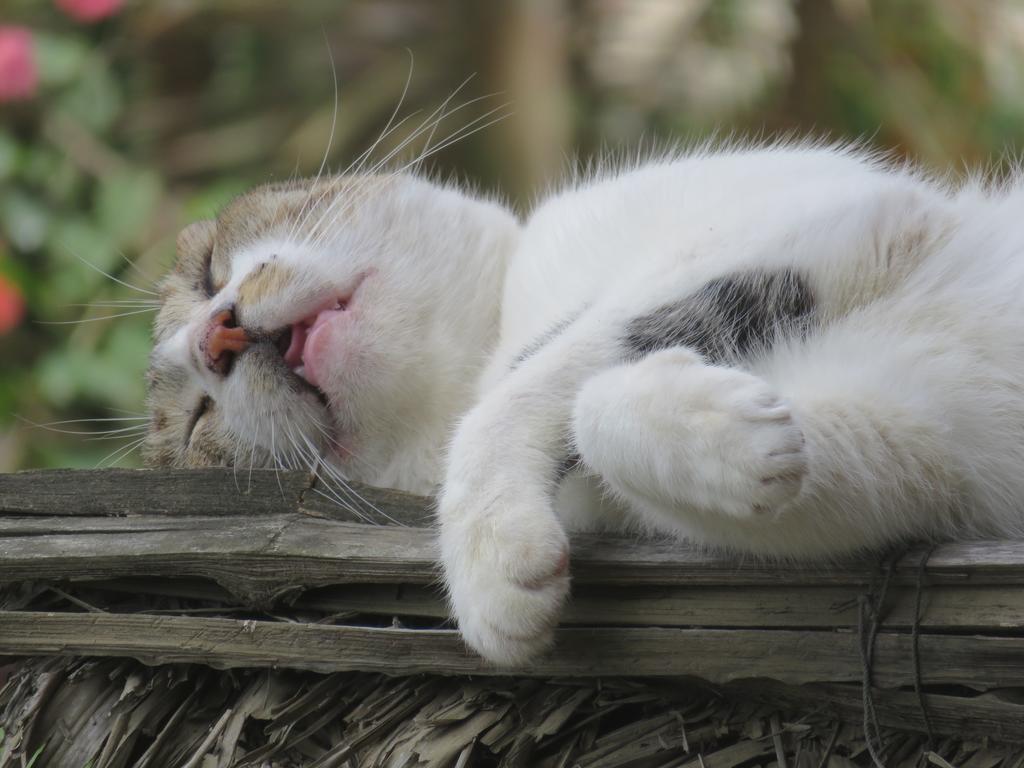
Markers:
point(349, 203)
point(334, 474)
point(139, 300)
point(96, 319)
point(331, 494)
point(133, 264)
point(462, 134)
point(123, 452)
point(444, 105)
point(134, 433)
point(234, 466)
point(345, 181)
point(330, 138)
point(313, 459)
point(114, 434)
point(84, 421)
point(352, 456)
point(127, 304)
point(103, 433)
point(430, 123)
point(252, 457)
point(318, 465)
point(290, 453)
point(115, 279)
point(398, 108)
point(356, 164)
point(433, 125)
point(274, 457)
point(341, 481)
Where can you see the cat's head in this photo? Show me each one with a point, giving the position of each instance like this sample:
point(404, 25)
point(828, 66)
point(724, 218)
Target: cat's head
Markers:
point(344, 319)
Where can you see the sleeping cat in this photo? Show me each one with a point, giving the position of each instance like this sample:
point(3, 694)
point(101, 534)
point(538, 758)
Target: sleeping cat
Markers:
point(790, 350)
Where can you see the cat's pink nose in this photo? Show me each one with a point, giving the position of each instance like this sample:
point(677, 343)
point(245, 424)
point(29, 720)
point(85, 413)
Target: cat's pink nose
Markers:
point(223, 339)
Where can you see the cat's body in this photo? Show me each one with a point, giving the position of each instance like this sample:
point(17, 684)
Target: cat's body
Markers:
point(784, 351)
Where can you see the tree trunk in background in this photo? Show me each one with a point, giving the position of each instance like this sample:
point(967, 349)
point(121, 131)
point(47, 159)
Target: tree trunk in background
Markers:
point(805, 101)
point(523, 50)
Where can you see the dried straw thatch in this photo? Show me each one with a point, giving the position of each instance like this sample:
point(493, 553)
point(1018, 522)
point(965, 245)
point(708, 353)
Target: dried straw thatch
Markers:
point(118, 713)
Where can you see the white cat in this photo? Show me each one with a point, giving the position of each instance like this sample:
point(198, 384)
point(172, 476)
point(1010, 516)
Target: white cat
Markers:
point(791, 350)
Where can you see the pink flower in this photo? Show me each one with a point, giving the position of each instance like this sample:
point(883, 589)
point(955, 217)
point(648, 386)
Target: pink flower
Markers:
point(12, 305)
point(18, 74)
point(89, 10)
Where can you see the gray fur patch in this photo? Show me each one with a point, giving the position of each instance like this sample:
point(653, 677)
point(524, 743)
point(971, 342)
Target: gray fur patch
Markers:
point(728, 318)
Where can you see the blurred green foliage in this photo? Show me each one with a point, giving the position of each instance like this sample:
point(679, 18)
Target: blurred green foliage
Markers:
point(156, 116)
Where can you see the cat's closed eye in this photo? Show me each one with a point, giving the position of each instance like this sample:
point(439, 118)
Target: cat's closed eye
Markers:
point(208, 287)
point(201, 409)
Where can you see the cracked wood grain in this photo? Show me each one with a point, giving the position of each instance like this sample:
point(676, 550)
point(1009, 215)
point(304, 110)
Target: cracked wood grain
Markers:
point(716, 655)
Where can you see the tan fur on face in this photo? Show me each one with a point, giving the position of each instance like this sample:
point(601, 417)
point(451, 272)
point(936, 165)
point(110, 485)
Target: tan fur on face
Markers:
point(267, 279)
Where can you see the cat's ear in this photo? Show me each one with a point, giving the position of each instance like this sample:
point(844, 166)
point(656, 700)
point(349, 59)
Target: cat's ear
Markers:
point(195, 246)
point(197, 237)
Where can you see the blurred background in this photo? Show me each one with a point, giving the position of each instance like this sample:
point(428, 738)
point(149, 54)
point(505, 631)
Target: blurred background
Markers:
point(122, 121)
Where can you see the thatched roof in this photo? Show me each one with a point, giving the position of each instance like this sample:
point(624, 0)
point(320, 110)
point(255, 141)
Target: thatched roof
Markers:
point(107, 713)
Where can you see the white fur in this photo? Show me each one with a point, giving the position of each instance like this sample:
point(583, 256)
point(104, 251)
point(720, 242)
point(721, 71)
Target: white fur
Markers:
point(900, 415)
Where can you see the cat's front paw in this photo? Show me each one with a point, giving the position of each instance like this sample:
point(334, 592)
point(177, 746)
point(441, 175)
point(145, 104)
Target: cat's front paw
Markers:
point(692, 435)
point(506, 564)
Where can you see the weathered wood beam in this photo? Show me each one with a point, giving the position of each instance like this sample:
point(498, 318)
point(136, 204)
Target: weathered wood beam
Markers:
point(948, 609)
point(952, 608)
point(210, 491)
point(264, 557)
point(286, 505)
point(274, 532)
point(721, 656)
point(258, 558)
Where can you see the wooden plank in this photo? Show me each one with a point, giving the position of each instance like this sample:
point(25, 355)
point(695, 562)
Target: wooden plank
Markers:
point(265, 556)
point(715, 655)
point(959, 609)
point(121, 492)
point(260, 559)
point(63, 498)
point(204, 492)
point(947, 608)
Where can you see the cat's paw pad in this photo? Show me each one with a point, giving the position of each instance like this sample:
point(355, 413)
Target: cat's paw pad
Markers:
point(700, 436)
point(741, 442)
point(507, 577)
point(776, 455)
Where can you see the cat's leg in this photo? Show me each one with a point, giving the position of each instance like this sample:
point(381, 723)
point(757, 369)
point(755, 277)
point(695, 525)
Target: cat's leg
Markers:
point(856, 438)
point(504, 551)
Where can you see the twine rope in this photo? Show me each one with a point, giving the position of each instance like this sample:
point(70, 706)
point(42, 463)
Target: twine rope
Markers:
point(870, 617)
